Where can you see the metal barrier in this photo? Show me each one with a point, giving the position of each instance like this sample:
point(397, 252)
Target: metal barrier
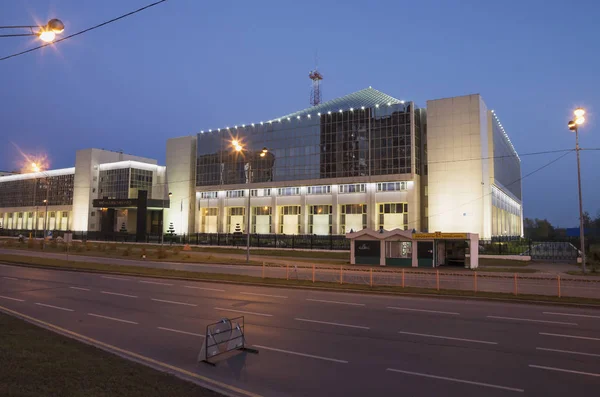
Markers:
point(222, 337)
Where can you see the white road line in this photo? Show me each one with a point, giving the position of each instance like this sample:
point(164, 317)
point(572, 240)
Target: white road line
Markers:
point(173, 302)
point(564, 370)
point(55, 307)
point(570, 336)
point(335, 360)
point(206, 289)
point(79, 288)
point(448, 337)
point(530, 320)
point(112, 318)
point(567, 351)
point(115, 278)
point(457, 380)
point(571, 315)
point(117, 294)
point(156, 283)
point(338, 302)
point(244, 312)
point(12, 299)
point(423, 310)
point(328, 323)
point(180, 332)
point(270, 296)
point(11, 278)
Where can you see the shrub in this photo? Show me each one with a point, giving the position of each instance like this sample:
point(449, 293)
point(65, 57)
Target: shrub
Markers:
point(88, 246)
point(80, 248)
point(176, 250)
point(161, 253)
point(113, 247)
point(53, 244)
point(127, 251)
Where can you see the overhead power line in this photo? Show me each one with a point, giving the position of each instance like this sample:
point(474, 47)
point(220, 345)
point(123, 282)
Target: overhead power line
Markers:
point(83, 31)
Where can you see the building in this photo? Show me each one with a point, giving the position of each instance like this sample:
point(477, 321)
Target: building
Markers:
point(365, 160)
point(98, 194)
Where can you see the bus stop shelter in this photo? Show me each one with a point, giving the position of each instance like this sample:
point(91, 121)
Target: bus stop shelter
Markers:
point(406, 249)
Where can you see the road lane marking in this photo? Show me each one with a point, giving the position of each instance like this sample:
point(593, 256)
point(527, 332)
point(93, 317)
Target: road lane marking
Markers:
point(570, 336)
point(207, 289)
point(156, 283)
point(117, 294)
point(571, 315)
point(335, 360)
point(423, 310)
point(530, 320)
point(173, 302)
point(448, 337)
point(112, 318)
point(267, 295)
point(12, 299)
point(567, 351)
point(180, 332)
point(328, 323)
point(241, 311)
point(457, 380)
point(564, 370)
point(55, 307)
point(79, 288)
point(10, 278)
point(115, 278)
point(130, 354)
point(338, 302)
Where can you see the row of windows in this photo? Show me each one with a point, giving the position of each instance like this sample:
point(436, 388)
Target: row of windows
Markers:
point(391, 186)
point(58, 190)
point(20, 215)
point(324, 189)
point(353, 188)
point(387, 208)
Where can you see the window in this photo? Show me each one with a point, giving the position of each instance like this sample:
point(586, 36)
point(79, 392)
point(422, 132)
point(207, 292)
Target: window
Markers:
point(93, 213)
point(65, 214)
point(210, 211)
point(236, 211)
point(52, 214)
point(93, 190)
point(289, 224)
point(348, 219)
point(393, 215)
point(288, 191)
point(208, 195)
point(29, 215)
point(325, 189)
point(321, 225)
point(20, 215)
point(391, 186)
point(235, 193)
point(353, 188)
point(260, 192)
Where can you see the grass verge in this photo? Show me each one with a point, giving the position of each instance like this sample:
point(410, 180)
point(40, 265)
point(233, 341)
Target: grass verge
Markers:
point(580, 273)
point(276, 282)
point(39, 362)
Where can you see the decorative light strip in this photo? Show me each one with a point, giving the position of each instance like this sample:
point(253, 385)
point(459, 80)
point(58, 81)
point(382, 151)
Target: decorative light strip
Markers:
point(129, 164)
point(38, 175)
point(505, 135)
point(308, 117)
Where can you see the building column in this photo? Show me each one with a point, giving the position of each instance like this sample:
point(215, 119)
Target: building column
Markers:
point(221, 213)
point(382, 253)
point(303, 213)
point(335, 211)
point(274, 215)
point(415, 253)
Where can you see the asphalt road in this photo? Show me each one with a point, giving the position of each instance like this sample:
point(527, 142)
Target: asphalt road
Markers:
point(315, 343)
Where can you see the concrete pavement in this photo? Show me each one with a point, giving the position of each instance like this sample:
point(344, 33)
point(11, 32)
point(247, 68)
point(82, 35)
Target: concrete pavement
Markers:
point(324, 343)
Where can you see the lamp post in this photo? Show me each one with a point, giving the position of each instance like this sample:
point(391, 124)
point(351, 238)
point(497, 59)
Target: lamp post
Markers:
point(162, 220)
point(238, 148)
point(46, 33)
point(574, 126)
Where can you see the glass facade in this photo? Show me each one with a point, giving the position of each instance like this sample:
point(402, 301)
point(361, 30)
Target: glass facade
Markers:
point(310, 145)
point(506, 214)
point(20, 193)
point(507, 165)
point(124, 183)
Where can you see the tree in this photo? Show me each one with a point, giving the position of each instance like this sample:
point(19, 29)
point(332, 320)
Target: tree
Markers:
point(171, 230)
point(538, 229)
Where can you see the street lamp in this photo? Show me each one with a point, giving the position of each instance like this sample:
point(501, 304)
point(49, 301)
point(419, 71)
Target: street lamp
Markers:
point(574, 126)
point(162, 220)
point(46, 33)
point(238, 148)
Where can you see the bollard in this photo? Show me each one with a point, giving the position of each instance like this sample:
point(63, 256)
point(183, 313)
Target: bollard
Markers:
point(437, 280)
point(371, 274)
point(558, 281)
point(287, 271)
point(341, 274)
point(475, 283)
point(313, 273)
point(516, 286)
point(402, 278)
point(263, 270)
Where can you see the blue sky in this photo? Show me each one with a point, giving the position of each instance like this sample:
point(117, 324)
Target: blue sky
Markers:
point(188, 65)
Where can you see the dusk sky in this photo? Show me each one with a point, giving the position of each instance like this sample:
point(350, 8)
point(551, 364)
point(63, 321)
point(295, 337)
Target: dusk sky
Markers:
point(190, 65)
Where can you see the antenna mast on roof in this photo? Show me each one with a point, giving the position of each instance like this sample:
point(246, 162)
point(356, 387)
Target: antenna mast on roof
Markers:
point(315, 92)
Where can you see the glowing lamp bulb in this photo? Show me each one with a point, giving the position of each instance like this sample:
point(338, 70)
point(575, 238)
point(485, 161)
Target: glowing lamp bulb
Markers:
point(47, 36)
point(579, 112)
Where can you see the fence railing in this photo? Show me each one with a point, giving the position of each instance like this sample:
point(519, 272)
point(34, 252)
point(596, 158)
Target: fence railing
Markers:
point(474, 281)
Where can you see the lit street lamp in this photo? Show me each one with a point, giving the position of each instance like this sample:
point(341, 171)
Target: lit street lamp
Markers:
point(46, 33)
point(574, 126)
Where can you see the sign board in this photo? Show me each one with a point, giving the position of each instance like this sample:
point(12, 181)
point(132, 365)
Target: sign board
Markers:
point(439, 236)
point(367, 248)
point(110, 203)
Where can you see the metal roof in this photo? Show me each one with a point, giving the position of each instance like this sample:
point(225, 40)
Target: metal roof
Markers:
point(368, 97)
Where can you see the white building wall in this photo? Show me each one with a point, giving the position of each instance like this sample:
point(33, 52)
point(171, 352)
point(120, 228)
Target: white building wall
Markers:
point(458, 180)
point(181, 179)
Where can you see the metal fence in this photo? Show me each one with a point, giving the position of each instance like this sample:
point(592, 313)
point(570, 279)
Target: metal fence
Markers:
point(474, 281)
